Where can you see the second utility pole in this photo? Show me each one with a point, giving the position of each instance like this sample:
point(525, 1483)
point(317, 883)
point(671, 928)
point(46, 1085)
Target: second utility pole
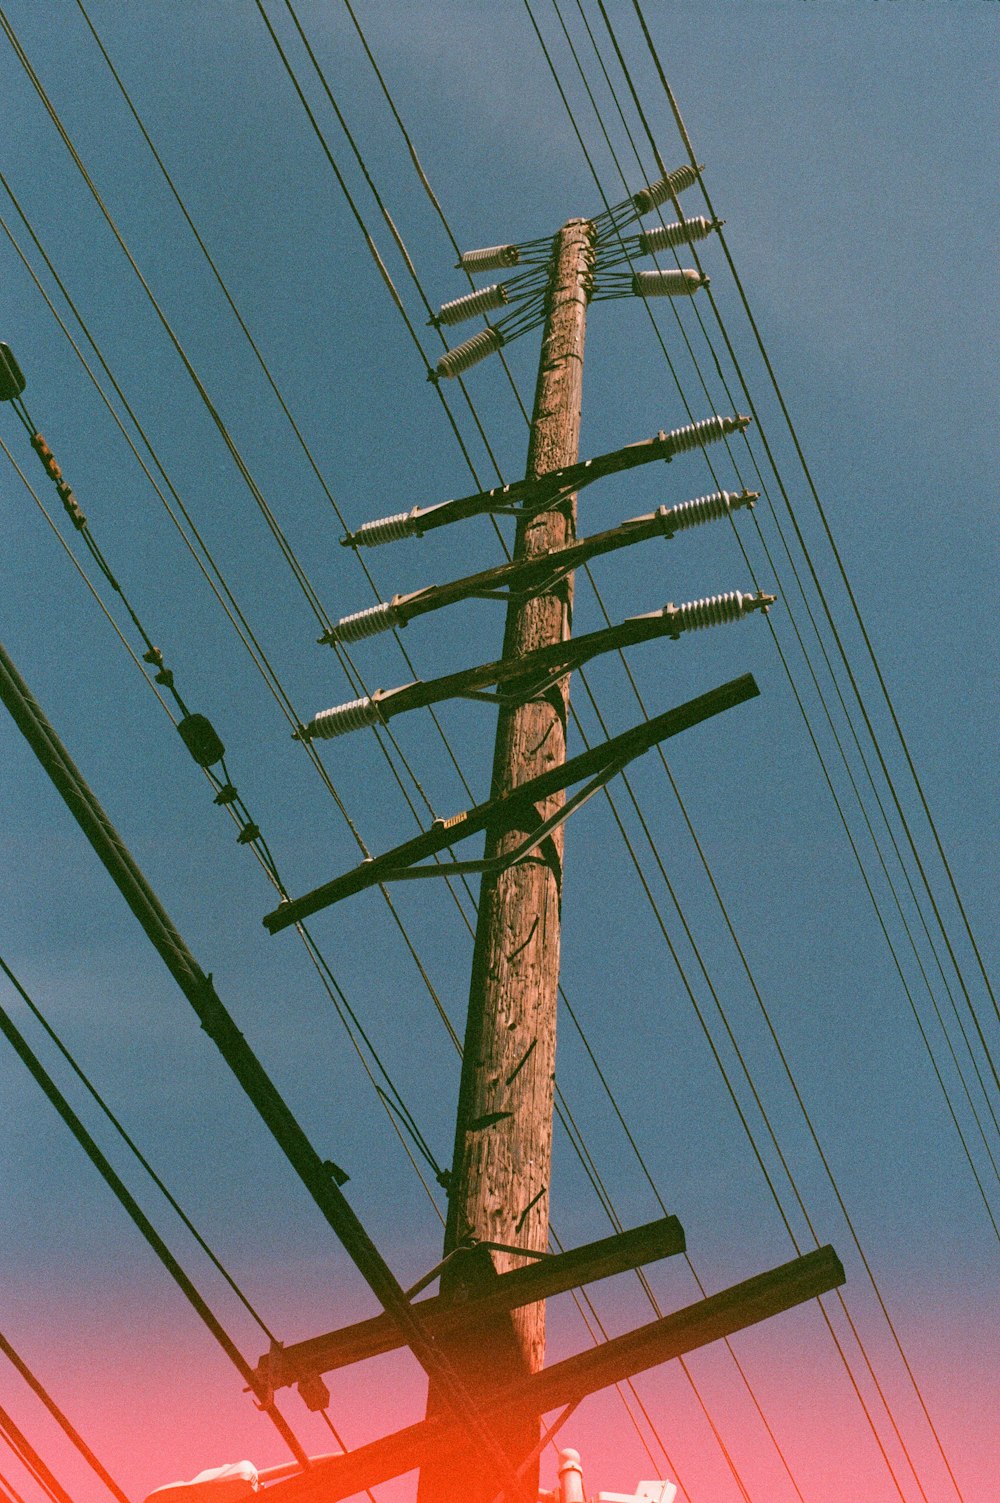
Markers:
point(499, 1187)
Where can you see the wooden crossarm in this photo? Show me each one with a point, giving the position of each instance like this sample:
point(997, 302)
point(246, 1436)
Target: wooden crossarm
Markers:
point(709, 1320)
point(521, 1286)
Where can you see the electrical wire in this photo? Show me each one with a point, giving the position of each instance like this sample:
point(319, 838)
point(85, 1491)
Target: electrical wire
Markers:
point(29, 1458)
point(830, 538)
point(68, 1429)
point(131, 1206)
point(661, 756)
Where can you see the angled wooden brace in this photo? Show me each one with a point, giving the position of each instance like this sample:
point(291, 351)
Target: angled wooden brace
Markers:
point(517, 809)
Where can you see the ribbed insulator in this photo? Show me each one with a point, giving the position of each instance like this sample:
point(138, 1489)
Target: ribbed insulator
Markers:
point(454, 362)
point(658, 193)
point(667, 283)
point(353, 716)
point(702, 509)
point(384, 530)
point(491, 258)
point(484, 301)
point(708, 431)
point(666, 236)
point(367, 623)
point(714, 610)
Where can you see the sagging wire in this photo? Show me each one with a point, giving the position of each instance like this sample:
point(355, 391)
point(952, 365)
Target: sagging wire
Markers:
point(848, 1222)
point(256, 842)
point(826, 525)
point(69, 1430)
point(142, 1223)
point(672, 234)
point(481, 340)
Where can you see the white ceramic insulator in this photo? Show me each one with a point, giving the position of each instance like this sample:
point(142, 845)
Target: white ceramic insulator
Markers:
point(353, 716)
point(697, 435)
point(491, 258)
point(667, 283)
point(702, 509)
point(669, 186)
point(367, 623)
point(714, 610)
point(666, 236)
point(454, 362)
point(473, 303)
point(385, 530)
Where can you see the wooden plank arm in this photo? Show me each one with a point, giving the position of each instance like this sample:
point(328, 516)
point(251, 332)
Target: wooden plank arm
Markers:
point(663, 1238)
point(709, 1320)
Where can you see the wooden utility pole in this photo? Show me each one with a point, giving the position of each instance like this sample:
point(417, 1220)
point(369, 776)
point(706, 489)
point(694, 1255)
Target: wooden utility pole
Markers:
point(499, 1190)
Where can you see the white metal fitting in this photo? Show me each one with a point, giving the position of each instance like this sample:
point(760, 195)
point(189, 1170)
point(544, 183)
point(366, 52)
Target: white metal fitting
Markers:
point(570, 1477)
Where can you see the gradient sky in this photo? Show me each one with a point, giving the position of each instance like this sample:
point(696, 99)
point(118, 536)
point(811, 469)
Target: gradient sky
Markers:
point(851, 149)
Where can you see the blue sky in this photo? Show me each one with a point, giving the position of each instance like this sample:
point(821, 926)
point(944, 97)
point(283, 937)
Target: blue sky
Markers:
point(851, 150)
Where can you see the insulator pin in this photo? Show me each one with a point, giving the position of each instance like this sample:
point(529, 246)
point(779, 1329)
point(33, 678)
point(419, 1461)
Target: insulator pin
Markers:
point(491, 258)
point(367, 623)
point(12, 381)
point(454, 362)
point(402, 524)
point(666, 236)
point(716, 610)
point(708, 431)
point(667, 283)
point(353, 716)
point(704, 509)
point(668, 187)
point(473, 303)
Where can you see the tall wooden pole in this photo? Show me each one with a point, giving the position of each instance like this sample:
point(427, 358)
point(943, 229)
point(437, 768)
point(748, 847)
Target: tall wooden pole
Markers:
point(499, 1189)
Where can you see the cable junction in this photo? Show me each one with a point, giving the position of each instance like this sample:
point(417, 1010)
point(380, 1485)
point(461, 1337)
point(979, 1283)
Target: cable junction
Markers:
point(526, 497)
point(530, 576)
point(196, 731)
point(516, 810)
point(533, 675)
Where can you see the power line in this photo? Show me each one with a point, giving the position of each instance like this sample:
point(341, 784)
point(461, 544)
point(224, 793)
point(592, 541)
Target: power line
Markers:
point(41, 1392)
point(131, 1206)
